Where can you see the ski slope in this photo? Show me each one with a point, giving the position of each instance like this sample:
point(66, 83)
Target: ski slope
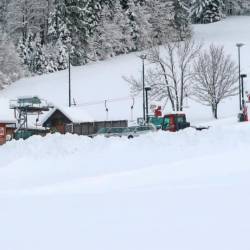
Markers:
point(176, 191)
point(94, 83)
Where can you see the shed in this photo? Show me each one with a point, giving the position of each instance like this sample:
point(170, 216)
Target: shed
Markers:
point(7, 129)
point(77, 121)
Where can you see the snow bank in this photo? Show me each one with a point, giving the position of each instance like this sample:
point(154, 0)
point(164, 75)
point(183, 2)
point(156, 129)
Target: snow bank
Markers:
point(177, 191)
point(39, 162)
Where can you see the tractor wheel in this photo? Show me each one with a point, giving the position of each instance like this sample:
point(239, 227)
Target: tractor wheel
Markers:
point(130, 137)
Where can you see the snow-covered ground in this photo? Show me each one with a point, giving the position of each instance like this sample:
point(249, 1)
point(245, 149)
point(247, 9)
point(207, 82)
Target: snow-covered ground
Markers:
point(177, 191)
point(188, 190)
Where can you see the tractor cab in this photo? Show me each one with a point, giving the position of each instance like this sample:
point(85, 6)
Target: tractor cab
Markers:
point(174, 122)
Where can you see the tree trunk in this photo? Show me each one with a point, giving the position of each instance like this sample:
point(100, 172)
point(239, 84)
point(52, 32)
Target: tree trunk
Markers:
point(215, 111)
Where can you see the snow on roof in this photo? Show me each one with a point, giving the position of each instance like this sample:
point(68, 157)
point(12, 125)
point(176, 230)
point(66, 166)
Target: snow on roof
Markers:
point(6, 114)
point(77, 114)
point(74, 114)
point(8, 121)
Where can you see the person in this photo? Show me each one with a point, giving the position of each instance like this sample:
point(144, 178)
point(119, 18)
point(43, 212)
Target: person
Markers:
point(158, 112)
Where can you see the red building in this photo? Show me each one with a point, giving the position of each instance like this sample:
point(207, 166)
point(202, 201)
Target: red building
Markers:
point(7, 129)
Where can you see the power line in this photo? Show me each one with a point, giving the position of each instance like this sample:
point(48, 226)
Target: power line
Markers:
point(107, 100)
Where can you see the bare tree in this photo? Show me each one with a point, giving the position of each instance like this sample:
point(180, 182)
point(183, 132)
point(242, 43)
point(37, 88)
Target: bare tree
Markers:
point(214, 78)
point(170, 71)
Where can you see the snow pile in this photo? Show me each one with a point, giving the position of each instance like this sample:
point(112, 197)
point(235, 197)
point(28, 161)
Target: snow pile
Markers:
point(177, 191)
point(39, 162)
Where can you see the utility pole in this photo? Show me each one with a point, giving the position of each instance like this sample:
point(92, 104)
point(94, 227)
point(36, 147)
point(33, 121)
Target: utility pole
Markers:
point(239, 45)
point(69, 76)
point(147, 89)
point(143, 57)
point(242, 89)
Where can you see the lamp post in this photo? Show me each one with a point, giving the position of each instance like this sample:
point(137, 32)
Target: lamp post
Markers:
point(69, 59)
point(242, 89)
point(143, 57)
point(239, 45)
point(147, 89)
point(69, 70)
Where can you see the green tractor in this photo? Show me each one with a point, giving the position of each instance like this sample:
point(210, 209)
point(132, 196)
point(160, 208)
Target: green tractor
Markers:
point(170, 122)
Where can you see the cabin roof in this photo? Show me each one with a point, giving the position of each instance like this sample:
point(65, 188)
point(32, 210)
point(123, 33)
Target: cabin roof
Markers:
point(74, 114)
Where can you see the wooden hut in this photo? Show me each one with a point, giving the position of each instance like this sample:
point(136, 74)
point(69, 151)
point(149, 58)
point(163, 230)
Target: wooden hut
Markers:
point(76, 120)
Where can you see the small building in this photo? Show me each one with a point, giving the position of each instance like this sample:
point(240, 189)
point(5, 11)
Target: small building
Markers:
point(76, 120)
point(7, 130)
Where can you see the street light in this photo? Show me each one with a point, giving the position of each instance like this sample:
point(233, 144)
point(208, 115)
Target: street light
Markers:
point(143, 57)
point(239, 45)
point(242, 89)
point(69, 61)
point(147, 89)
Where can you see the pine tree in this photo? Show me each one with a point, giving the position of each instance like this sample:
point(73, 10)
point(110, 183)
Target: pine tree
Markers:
point(213, 12)
point(39, 62)
point(124, 41)
point(161, 17)
point(61, 56)
point(182, 20)
point(207, 11)
point(58, 23)
point(104, 40)
point(139, 23)
point(26, 51)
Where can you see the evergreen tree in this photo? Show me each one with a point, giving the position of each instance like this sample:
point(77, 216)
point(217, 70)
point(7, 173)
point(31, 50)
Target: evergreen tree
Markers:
point(139, 23)
point(161, 15)
point(39, 62)
point(182, 20)
point(207, 11)
point(26, 51)
point(102, 42)
point(74, 22)
point(213, 12)
point(62, 55)
point(124, 41)
point(59, 24)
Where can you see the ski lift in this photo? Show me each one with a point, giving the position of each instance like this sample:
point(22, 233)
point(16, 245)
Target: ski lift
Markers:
point(132, 109)
point(186, 104)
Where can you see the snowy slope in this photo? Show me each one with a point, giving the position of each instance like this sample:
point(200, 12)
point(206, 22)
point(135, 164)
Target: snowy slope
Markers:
point(176, 191)
point(93, 84)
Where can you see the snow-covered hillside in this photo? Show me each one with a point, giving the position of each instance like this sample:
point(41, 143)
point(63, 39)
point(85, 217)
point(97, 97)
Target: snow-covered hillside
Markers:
point(93, 84)
point(176, 191)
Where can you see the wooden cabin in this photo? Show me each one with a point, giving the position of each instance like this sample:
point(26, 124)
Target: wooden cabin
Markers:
point(75, 120)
